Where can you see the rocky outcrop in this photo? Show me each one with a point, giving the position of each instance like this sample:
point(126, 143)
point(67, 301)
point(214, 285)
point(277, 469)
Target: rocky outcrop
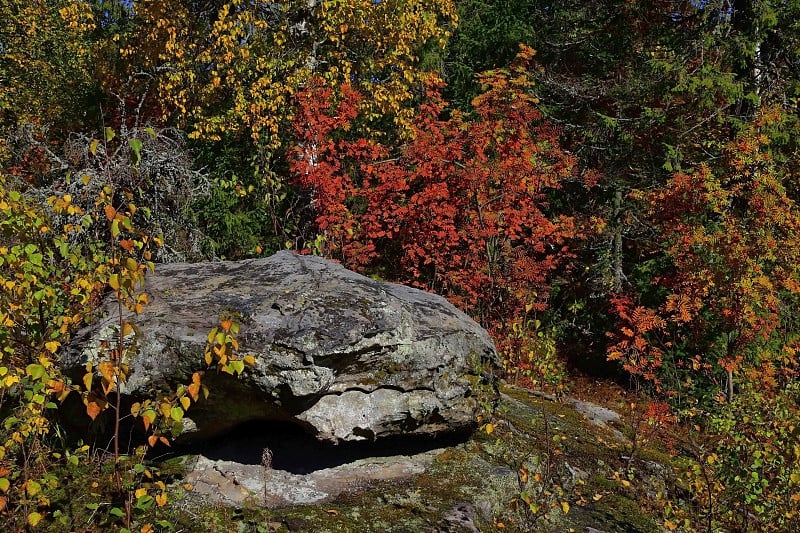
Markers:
point(346, 357)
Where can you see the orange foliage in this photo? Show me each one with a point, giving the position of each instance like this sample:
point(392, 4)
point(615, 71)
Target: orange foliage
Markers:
point(462, 208)
point(731, 283)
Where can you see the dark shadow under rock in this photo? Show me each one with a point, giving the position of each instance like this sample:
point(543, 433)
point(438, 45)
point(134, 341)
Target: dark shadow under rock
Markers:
point(297, 452)
point(302, 470)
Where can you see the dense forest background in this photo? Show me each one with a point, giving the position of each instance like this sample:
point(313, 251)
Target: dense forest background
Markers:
point(608, 187)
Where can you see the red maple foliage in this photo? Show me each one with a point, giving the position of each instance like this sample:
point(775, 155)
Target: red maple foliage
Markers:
point(462, 208)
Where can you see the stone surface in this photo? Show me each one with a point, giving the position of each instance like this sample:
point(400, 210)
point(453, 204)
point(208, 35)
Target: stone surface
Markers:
point(346, 357)
point(234, 483)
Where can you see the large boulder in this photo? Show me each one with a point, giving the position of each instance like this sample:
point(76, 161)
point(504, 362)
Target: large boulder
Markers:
point(346, 357)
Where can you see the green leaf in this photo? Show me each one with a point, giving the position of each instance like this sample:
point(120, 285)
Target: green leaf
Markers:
point(116, 511)
point(35, 371)
point(136, 148)
point(110, 134)
point(236, 366)
point(176, 413)
point(4, 484)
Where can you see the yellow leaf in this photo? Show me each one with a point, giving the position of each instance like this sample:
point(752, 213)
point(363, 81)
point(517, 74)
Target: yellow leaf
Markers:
point(52, 346)
point(107, 370)
point(489, 428)
point(565, 507)
point(34, 518)
point(161, 499)
point(332, 512)
point(141, 491)
point(186, 402)
point(32, 488)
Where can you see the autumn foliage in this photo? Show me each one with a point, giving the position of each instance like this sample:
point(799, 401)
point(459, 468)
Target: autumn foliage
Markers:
point(643, 216)
point(463, 208)
point(730, 235)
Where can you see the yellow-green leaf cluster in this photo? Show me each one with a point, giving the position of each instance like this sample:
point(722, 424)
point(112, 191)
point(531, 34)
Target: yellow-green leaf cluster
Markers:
point(45, 60)
point(234, 73)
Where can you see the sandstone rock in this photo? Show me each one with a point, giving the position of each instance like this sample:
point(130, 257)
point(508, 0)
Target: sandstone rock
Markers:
point(346, 357)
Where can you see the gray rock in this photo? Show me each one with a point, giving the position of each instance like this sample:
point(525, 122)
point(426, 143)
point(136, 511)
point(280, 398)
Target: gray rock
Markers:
point(346, 357)
point(459, 518)
point(233, 483)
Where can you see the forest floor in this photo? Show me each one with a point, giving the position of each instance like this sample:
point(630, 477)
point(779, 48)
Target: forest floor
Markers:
point(583, 463)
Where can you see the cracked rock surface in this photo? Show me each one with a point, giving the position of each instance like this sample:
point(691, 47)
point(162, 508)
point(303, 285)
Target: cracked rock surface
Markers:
point(345, 357)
